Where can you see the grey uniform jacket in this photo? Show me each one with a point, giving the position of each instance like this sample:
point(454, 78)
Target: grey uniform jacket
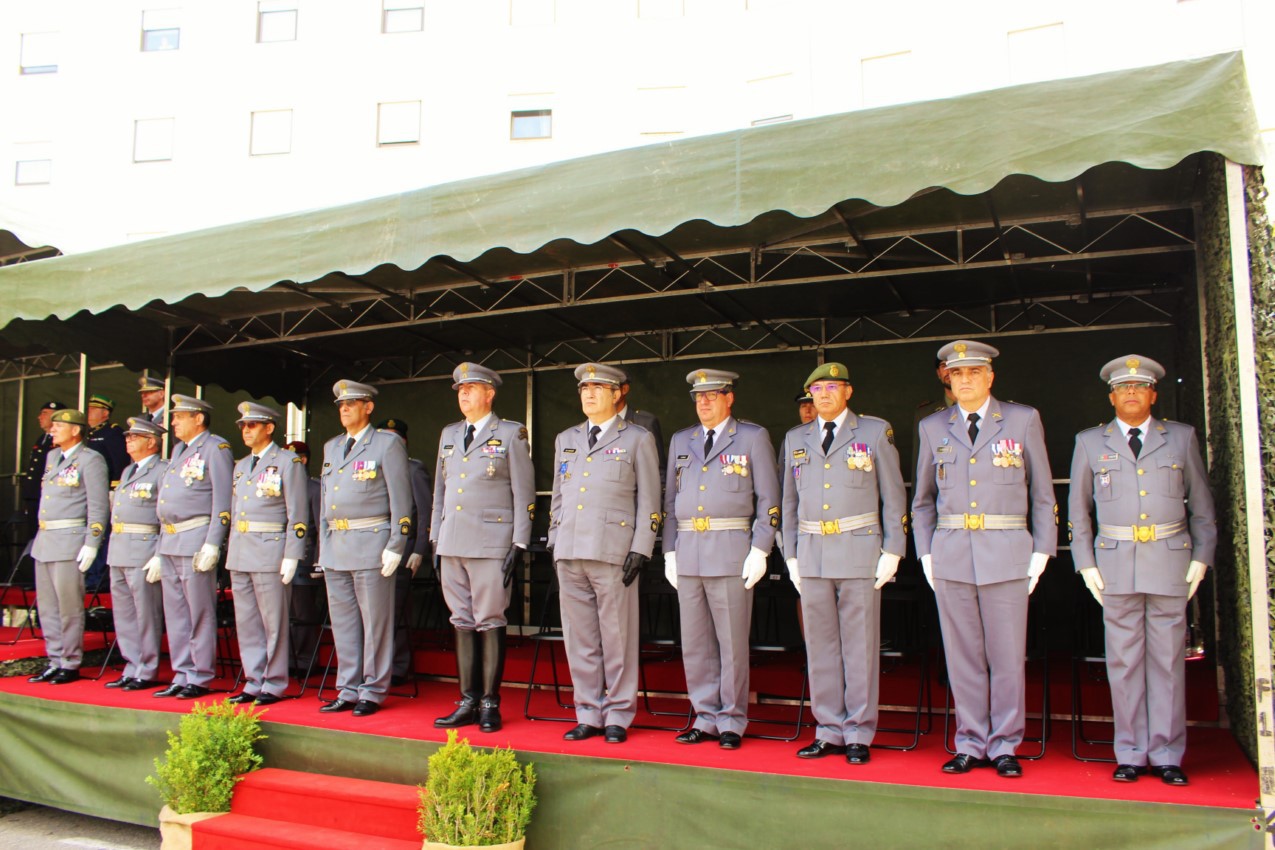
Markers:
point(955, 478)
point(606, 500)
point(484, 498)
point(196, 483)
point(276, 492)
point(422, 508)
point(859, 475)
point(134, 503)
point(738, 480)
point(372, 481)
point(74, 488)
point(1166, 483)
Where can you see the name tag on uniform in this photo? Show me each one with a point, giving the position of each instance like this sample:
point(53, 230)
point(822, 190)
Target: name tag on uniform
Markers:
point(797, 454)
point(569, 451)
point(494, 442)
point(1107, 457)
point(942, 449)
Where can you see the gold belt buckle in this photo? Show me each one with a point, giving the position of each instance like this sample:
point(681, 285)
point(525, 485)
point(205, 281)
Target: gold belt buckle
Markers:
point(829, 526)
point(170, 528)
point(42, 525)
point(974, 522)
point(117, 528)
point(341, 524)
point(701, 523)
point(1144, 533)
point(242, 525)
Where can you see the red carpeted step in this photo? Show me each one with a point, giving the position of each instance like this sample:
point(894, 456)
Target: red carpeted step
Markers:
point(332, 802)
point(244, 832)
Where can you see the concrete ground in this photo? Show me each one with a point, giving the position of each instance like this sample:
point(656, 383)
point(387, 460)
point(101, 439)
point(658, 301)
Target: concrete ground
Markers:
point(40, 828)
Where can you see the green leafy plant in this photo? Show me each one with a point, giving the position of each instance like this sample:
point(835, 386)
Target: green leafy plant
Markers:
point(213, 746)
point(475, 798)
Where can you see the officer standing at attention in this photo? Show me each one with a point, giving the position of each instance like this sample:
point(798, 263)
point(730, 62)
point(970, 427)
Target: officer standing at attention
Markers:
point(985, 525)
point(723, 495)
point(194, 516)
point(367, 503)
point(34, 476)
point(844, 508)
point(1145, 479)
point(603, 518)
point(151, 391)
point(267, 540)
point(73, 510)
point(484, 503)
point(132, 553)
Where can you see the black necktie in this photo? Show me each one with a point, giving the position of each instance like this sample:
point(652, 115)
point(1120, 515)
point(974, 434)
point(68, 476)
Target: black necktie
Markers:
point(974, 417)
point(594, 431)
point(349, 444)
point(469, 436)
point(708, 443)
point(1135, 441)
point(828, 428)
point(252, 466)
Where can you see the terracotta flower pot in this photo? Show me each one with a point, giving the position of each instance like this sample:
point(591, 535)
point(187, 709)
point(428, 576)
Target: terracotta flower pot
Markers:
point(434, 845)
point(175, 829)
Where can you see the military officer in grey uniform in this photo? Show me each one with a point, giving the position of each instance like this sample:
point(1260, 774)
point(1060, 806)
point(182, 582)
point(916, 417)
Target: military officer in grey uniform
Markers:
point(484, 503)
point(722, 505)
point(269, 521)
point(73, 510)
point(604, 515)
point(985, 525)
point(844, 506)
point(132, 552)
point(367, 504)
point(194, 516)
point(645, 418)
point(1156, 534)
point(151, 391)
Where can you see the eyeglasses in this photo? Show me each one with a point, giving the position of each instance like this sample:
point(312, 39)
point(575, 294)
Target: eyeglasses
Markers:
point(1131, 388)
point(597, 388)
point(831, 387)
point(708, 395)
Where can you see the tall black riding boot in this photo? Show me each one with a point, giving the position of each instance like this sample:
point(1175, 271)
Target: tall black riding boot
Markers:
point(468, 668)
point(493, 653)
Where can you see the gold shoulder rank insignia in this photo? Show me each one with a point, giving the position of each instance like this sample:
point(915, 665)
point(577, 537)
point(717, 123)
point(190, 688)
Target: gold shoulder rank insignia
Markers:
point(889, 435)
point(297, 460)
point(522, 433)
point(225, 446)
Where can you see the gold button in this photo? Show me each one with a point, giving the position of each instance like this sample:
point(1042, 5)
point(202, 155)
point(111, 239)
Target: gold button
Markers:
point(1141, 471)
point(334, 507)
point(460, 489)
point(464, 460)
point(245, 498)
point(462, 475)
point(1142, 492)
point(973, 460)
point(581, 489)
point(972, 482)
point(702, 487)
point(623, 523)
point(586, 475)
point(337, 487)
point(579, 507)
point(161, 501)
point(973, 504)
point(827, 466)
point(700, 508)
point(703, 469)
point(588, 460)
point(458, 507)
point(1144, 516)
point(826, 486)
point(825, 507)
point(1175, 466)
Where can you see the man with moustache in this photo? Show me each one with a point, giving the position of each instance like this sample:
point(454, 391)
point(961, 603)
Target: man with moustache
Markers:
point(151, 391)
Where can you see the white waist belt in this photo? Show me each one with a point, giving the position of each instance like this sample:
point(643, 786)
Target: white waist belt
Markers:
point(705, 523)
point(58, 524)
point(357, 524)
point(1142, 533)
point(133, 528)
point(984, 522)
point(248, 527)
point(186, 524)
point(838, 526)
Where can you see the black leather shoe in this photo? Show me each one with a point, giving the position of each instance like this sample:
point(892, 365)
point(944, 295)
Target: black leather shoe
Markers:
point(1128, 772)
point(170, 691)
point(581, 732)
point(365, 708)
point(396, 681)
point(466, 714)
point(118, 683)
point(49, 673)
point(337, 705)
point(857, 754)
point(65, 677)
point(489, 715)
point(1170, 774)
point(266, 699)
point(695, 736)
point(241, 699)
point(616, 735)
point(193, 692)
point(964, 763)
point(141, 684)
point(819, 749)
point(729, 741)
point(1008, 767)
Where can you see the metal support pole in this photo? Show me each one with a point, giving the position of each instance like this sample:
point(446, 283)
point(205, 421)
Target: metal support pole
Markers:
point(1250, 446)
point(19, 443)
point(84, 381)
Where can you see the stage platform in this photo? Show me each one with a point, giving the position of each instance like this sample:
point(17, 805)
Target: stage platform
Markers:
point(84, 748)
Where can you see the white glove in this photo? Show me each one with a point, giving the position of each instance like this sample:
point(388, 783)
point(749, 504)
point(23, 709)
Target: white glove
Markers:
point(887, 566)
point(86, 557)
point(154, 570)
point(928, 569)
point(1194, 575)
point(1035, 569)
point(206, 558)
point(670, 568)
point(754, 567)
point(793, 574)
point(414, 561)
point(389, 562)
point(1093, 581)
point(287, 569)
point(779, 540)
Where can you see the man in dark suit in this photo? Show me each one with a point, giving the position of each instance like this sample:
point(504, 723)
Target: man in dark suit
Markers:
point(34, 475)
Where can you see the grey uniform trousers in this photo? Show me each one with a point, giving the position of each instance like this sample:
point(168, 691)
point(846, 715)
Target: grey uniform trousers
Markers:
point(190, 615)
point(843, 653)
point(600, 627)
point(1146, 666)
point(59, 597)
point(361, 605)
point(138, 608)
point(716, 616)
point(261, 622)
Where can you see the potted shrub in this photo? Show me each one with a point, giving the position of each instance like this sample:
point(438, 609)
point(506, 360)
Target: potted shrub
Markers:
point(214, 745)
point(475, 798)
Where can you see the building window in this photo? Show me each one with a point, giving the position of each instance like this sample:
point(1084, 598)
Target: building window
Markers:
point(661, 8)
point(33, 172)
point(160, 30)
point(398, 123)
point(39, 53)
point(402, 16)
point(888, 79)
point(276, 21)
point(1036, 54)
point(153, 139)
point(532, 13)
point(271, 132)
point(531, 124)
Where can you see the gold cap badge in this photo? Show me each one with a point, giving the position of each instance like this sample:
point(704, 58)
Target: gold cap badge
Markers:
point(960, 349)
point(1133, 363)
point(833, 371)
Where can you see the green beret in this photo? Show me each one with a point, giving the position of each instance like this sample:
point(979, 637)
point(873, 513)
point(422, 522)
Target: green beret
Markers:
point(829, 372)
point(70, 416)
